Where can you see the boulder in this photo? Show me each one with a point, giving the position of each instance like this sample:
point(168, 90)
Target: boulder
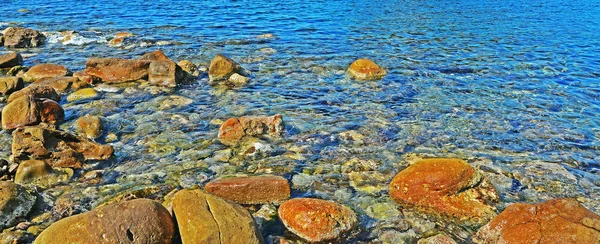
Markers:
point(234, 129)
point(157, 55)
point(135, 221)
point(364, 69)
point(10, 84)
point(57, 148)
point(22, 37)
point(204, 218)
point(61, 84)
point(89, 126)
point(251, 190)
point(41, 71)
point(554, 221)
point(221, 68)
point(37, 91)
point(15, 203)
point(10, 59)
point(51, 112)
point(189, 67)
point(27, 110)
point(445, 187)
point(115, 70)
point(317, 220)
point(39, 173)
point(163, 73)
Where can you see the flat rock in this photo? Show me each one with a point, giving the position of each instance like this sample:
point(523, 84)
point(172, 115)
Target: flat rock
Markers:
point(10, 59)
point(135, 221)
point(317, 220)
point(364, 69)
point(445, 187)
point(554, 221)
point(37, 91)
point(115, 70)
point(41, 71)
point(234, 129)
point(10, 84)
point(57, 148)
point(15, 203)
point(22, 37)
point(204, 218)
point(251, 190)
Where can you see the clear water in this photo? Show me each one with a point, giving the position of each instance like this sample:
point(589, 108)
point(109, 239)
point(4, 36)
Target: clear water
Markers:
point(513, 81)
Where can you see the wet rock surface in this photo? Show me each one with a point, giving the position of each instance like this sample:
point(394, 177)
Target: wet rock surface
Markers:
point(251, 190)
point(38, 91)
point(15, 203)
point(222, 69)
point(39, 173)
point(234, 129)
point(27, 110)
point(89, 126)
point(22, 37)
point(11, 59)
point(364, 69)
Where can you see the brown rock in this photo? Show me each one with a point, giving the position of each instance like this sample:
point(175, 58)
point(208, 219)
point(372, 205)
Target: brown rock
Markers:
point(22, 37)
point(10, 59)
point(221, 68)
point(37, 91)
point(189, 67)
point(162, 73)
point(157, 55)
point(204, 218)
point(233, 129)
point(89, 126)
point(114, 70)
point(364, 69)
point(9, 85)
point(554, 221)
point(15, 203)
point(316, 220)
point(251, 190)
point(447, 187)
point(57, 148)
point(51, 112)
point(41, 71)
point(135, 221)
point(85, 78)
point(21, 112)
point(61, 84)
point(39, 173)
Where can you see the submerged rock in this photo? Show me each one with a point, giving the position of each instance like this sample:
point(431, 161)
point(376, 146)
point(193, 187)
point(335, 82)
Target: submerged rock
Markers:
point(554, 221)
point(447, 187)
point(15, 203)
point(10, 60)
point(251, 190)
point(57, 148)
point(135, 221)
point(8, 85)
point(39, 173)
point(364, 69)
point(83, 94)
point(317, 220)
point(234, 129)
point(41, 71)
point(27, 110)
point(115, 70)
point(222, 68)
point(22, 37)
point(204, 218)
point(238, 80)
point(89, 126)
point(38, 92)
point(437, 239)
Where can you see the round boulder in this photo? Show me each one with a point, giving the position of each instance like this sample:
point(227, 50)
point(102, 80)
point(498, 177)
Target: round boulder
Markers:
point(364, 69)
point(41, 71)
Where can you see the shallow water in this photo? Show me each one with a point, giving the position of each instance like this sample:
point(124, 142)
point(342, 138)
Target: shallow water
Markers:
point(505, 82)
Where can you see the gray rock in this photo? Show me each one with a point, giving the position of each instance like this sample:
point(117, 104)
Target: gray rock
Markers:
point(15, 203)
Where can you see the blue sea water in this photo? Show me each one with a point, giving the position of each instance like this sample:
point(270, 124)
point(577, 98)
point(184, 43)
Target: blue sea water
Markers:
point(512, 81)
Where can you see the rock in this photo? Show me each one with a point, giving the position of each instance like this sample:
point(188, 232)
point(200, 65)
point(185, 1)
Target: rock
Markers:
point(27, 110)
point(85, 78)
point(266, 36)
point(445, 187)
point(234, 129)
point(38, 92)
point(554, 221)
point(189, 67)
point(83, 94)
point(135, 221)
point(204, 218)
point(221, 68)
point(364, 69)
point(15, 203)
point(1, 40)
point(251, 190)
point(89, 126)
point(162, 73)
point(117, 41)
point(10, 60)
point(41, 71)
point(9, 85)
point(40, 174)
point(157, 55)
point(114, 70)
point(317, 220)
point(238, 80)
point(17, 71)
point(61, 84)
point(123, 34)
point(21, 37)
point(57, 148)
point(437, 239)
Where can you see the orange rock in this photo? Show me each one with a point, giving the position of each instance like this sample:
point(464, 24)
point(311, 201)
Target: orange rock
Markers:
point(123, 34)
point(157, 55)
point(84, 78)
point(117, 41)
point(447, 187)
point(554, 221)
point(21, 112)
point(114, 70)
point(251, 190)
point(10, 59)
point(37, 91)
point(234, 129)
point(231, 131)
point(316, 220)
point(22, 37)
point(41, 71)
point(364, 69)
point(51, 112)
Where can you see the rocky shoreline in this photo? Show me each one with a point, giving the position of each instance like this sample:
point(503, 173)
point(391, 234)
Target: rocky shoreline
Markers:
point(425, 199)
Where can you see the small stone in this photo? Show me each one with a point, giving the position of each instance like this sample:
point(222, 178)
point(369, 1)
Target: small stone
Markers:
point(10, 60)
point(238, 80)
point(135, 221)
point(8, 85)
point(89, 126)
point(234, 129)
point(204, 218)
point(39, 173)
point(221, 68)
point(364, 69)
point(437, 239)
point(15, 203)
point(554, 221)
point(41, 71)
point(19, 37)
point(38, 92)
point(123, 34)
point(189, 67)
point(114, 70)
point(251, 190)
point(317, 220)
point(83, 94)
point(266, 36)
